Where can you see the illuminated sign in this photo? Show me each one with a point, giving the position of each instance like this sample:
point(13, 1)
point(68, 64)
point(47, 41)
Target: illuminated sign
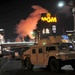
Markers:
point(48, 18)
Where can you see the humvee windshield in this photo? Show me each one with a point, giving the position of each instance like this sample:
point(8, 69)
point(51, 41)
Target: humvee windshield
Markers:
point(51, 48)
point(62, 47)
point(70, 46)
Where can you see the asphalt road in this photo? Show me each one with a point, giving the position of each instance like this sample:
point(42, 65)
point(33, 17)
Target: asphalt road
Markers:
point(13, 67)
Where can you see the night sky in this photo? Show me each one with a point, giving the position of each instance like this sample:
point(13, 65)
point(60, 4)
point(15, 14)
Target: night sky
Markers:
point(13, 11)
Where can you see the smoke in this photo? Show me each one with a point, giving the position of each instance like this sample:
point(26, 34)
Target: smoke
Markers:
point(25, 27)
point(18, 39)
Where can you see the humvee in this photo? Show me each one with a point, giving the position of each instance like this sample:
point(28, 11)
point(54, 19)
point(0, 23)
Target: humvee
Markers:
point(50, 53)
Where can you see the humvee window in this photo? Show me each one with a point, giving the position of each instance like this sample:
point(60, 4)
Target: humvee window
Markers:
point(40, 50)
point(33, 51)
point(50, 48)
point(47, 48)
point(62, 47)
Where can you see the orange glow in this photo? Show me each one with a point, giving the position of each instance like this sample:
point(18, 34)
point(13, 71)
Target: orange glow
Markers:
point(48, 18)
point(25, 27)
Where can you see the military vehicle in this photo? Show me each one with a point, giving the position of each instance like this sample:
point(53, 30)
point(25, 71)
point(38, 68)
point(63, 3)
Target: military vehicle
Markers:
point(51, 53)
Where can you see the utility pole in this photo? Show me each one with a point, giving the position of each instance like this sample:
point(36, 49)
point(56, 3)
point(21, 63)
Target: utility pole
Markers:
point(74, 20)
point(73, 11)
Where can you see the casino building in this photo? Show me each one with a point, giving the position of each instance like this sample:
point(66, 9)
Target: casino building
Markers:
point(47, 25)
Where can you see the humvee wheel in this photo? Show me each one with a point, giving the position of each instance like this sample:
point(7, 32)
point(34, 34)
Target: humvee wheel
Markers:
point(54, 65)
point(28, 64)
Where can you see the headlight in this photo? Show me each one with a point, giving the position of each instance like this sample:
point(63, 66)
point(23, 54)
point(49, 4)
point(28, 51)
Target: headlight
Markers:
point(58, 55)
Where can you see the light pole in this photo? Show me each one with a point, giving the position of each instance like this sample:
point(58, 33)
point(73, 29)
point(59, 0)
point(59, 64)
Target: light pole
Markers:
point(61, 4)
point(73, 10)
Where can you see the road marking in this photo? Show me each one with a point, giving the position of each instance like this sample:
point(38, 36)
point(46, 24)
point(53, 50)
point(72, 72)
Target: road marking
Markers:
point(4, 65)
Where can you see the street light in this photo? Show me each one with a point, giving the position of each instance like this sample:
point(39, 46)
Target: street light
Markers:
point(61, 4)
point(73, 10)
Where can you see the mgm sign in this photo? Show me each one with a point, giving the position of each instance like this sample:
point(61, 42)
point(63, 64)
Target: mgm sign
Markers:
point(48, 18)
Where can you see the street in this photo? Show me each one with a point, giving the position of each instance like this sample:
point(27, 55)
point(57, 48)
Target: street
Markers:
point(13, 67)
